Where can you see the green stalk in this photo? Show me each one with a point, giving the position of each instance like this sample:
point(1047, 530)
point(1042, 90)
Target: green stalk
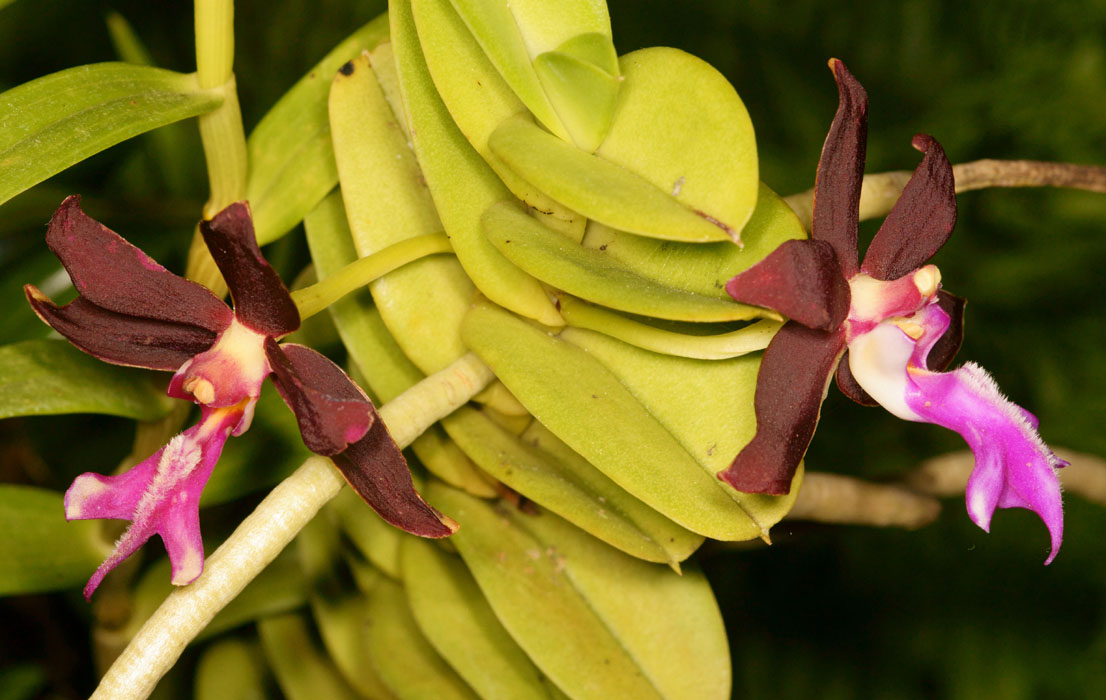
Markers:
point(261, 536)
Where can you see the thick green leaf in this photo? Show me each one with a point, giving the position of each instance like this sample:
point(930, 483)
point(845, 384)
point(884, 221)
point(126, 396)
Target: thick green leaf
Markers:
point(50, 123)
point(375, 539)
point(47, 377)
point(706, 405)
point(230, 668)
point(302, 669)
point(712, 346)
point(446, 159)
point(702, 268)
point(680, 125)
point(386, 202)
point(479, 99)
point(584, 404)
point(583, 94)
point(41, 551)
point(588, 273)
point(406, 662)
point(291, 158)
point(546, 471)
point(598, 188)
point(453, 615)
point(373, 349)
point(599, 623)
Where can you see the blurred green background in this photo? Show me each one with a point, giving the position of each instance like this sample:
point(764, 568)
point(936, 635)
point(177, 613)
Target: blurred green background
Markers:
point(828, 611)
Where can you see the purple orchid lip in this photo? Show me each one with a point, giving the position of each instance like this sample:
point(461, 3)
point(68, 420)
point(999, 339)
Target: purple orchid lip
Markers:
point(899, 331)
point(132, 311)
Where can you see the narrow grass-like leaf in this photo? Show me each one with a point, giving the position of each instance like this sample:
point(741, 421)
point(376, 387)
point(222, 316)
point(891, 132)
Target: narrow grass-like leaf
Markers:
point(587, 407)
point(47, 376)
point(457, 621)
point(566, 484)
point(599, 623)
point(41, 551)
point(446, 158)
point(718, 346)
point(51, 123)
point(588, 273)
point(406, 662)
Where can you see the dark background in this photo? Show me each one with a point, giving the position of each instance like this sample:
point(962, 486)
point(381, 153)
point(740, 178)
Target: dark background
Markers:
point(827, 612)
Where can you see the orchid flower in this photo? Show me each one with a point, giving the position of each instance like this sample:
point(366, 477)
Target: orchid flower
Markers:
point(132, 311)
point(888, 328)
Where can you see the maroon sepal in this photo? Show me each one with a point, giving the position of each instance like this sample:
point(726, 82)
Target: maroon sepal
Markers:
point(120, 339)
point(261, 301)
point(791, 383)
point(116, 276)
point(848, 385)
point(921, 220)
point(946, 347)
point(331, 410)
point(800, 279)
point(375, 468)
point(841, 171)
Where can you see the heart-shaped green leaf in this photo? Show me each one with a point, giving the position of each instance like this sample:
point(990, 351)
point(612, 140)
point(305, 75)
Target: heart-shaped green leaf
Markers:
point(58, 120)
point(41, 551)
point(456, 619)
point(562, 481)
point(446, 158)
point(47, 376)
point(405, 661)
point(576, 606)
point(291, 159)
point(584, 404)
point(702, 268)
point(588, 273)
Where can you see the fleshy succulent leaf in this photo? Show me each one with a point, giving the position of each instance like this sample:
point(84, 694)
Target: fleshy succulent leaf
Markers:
point(790, 385)
point(115, 275)
point(120, 339)
point(841, 171)
point(921, 220)
point(331, 411)
point(261, 301)
point(800, 279)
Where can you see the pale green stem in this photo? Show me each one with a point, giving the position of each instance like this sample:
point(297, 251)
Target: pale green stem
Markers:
point(880, 191)
point(833, 498)
point(313, 299)
point(272, 525)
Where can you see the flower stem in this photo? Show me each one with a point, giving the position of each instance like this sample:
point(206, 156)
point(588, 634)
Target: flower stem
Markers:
point(313, 299)
point(272, 525)
point(881, 190)
point(832, 498)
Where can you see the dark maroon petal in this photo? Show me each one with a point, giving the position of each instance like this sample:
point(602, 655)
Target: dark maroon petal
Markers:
point(331, 411)
point(116, 276)
point(790, 386)
point(261, 301)
point(375, 468)
point(841, 171)
point(920, 222)
point(848, 385)
point(800, 279)
point(121, 339)
point(946, 347)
